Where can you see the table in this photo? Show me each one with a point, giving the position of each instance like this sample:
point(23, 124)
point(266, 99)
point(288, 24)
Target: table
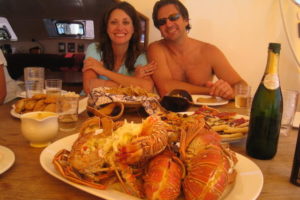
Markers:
point(27, 180)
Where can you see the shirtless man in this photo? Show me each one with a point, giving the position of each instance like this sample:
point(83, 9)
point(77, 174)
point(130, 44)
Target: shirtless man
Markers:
point(186, 63)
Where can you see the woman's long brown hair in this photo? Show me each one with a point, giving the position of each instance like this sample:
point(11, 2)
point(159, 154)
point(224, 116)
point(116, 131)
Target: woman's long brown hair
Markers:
point(105, 46)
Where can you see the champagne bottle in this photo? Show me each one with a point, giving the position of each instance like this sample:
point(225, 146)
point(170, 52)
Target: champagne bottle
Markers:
point(266, 111)
point(295, 174)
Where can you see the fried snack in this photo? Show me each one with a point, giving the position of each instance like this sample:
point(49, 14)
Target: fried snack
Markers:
point(207, 100)
point(220, 127)
point(39, 102)
point(51, 99)
point(236, 130)
point(40, 105)
point(130, 91)
point(50, 107)
point(39, 96)
point(20, 105)
point(30, 103)
point(232, 136)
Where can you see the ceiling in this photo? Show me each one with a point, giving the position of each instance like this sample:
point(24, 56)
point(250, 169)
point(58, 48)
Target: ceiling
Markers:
point(25, 16)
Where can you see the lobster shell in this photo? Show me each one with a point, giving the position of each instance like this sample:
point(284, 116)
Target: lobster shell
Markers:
point(207, 174)
point(163, 177)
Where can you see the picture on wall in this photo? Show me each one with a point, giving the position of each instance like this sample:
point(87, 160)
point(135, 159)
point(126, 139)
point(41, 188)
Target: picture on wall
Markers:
point(80, 48)
point(71, 47)
point(61, 47)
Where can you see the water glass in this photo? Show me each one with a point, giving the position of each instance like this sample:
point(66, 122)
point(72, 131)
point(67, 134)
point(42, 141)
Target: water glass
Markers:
point(34, 80)
point(242, 95)
point(33, 87)
point(53, 86)
point(290, 99)
point(67, 108)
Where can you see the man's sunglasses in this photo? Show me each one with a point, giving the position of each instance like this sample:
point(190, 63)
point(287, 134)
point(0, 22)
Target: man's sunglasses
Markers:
point(172, 18)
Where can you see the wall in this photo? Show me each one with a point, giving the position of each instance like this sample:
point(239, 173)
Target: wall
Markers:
point(242, 29)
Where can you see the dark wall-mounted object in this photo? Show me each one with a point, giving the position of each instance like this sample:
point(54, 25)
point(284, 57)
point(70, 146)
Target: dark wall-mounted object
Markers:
point(61, 47)
point(71, 47)
point(80, 48)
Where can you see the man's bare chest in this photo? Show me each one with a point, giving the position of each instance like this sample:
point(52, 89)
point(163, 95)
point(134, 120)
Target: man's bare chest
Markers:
point(187, 68)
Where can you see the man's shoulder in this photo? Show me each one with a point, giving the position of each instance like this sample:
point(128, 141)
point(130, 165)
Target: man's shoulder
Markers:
point(204, 47)
point(156, 44)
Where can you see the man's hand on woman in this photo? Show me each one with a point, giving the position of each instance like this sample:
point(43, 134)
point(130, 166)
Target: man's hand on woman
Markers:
point(93, 64)
point(147, 70)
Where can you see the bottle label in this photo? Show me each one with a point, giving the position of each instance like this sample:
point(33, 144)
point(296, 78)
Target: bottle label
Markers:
point(271, 81)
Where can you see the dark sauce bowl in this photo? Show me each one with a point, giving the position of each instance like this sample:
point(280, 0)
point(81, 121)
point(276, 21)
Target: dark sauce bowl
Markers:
point(177, 101)
point(175, 104)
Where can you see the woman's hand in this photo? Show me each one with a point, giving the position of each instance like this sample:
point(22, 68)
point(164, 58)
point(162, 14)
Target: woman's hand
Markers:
point(220, 88)
point(93, 64)
point(144, 71)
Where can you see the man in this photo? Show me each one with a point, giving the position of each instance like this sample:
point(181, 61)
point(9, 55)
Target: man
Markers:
point(8, 86)
point(186, 63)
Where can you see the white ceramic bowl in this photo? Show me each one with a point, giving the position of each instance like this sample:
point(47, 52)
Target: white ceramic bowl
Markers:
point(39, 128)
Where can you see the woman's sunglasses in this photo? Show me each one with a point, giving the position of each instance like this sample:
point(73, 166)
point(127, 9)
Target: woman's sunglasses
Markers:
point(172, 18)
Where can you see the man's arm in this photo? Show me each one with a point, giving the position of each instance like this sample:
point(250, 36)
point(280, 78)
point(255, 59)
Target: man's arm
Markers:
point(223, 70)
point(162, 77)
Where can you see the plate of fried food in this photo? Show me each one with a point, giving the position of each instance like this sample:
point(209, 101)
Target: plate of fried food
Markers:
point(41, 102)
point(23, 93)
point(38, 102)
point(208, 100)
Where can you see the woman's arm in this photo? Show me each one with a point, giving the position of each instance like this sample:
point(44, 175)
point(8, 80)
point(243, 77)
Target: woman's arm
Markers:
point(98, 69)
point(3, 91)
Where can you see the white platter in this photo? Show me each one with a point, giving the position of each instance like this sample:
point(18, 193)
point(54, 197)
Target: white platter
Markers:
point(7, 158)
point(219, 102)
point(81, 108)
point(23, 93)
point(248, 184)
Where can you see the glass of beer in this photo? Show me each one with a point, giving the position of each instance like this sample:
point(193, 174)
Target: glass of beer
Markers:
point(53, 86)
point(242, 95)
point(67, 108)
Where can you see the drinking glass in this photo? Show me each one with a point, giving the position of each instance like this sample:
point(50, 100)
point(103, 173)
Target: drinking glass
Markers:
point(34, 80)
point(242, 95)
point(53, 86)
point(290, 99)
point(67, 108)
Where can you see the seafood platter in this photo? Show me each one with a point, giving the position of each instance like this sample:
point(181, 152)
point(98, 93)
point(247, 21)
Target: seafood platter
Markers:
point(167, 156)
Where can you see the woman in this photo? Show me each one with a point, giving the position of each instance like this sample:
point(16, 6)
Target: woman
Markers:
point(117, 59)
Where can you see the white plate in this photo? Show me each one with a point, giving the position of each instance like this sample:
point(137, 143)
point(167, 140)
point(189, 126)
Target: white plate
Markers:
point(296, 120)
point(81, 108)
point(248, 184)
point(23, 93)
point(7, 158)
point(219, 102)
